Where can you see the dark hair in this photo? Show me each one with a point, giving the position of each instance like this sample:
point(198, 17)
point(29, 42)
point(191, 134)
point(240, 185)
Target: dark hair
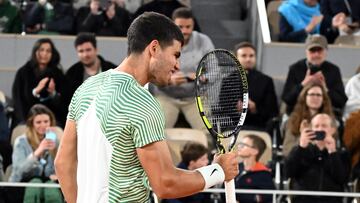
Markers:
point(258, 143)
point(182, 12)
point(152, 26)
point(192, 151)
point(83, 37)
point(243, 45)
point(55, 56)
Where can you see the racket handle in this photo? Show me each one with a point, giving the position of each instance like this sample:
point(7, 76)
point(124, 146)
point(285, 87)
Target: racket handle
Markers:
point(230, 191)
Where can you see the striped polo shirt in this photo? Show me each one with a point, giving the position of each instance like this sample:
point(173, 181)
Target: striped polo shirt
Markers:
point(114, 115)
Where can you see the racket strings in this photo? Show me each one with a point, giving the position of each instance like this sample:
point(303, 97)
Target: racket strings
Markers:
point(222, 96)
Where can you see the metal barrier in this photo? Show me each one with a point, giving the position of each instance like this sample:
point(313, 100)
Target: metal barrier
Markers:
point(274, 193)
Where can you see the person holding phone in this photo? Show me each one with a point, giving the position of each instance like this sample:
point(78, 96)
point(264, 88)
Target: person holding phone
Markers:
point(34, 154)
point(314, 69)
point(313, 99)
point(104, 18)
point(317, 164)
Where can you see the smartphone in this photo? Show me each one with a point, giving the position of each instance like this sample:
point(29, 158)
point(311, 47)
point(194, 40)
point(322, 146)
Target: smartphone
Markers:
point(314, 69)
point(50, 135)
point(319, 135)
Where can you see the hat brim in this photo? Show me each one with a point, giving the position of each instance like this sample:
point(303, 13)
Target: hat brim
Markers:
point(315, 45)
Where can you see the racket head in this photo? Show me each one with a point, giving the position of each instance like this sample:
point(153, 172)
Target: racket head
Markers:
point(221, 94)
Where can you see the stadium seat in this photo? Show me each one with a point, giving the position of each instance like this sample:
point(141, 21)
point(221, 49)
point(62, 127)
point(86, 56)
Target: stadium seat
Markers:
point(178, 137)
point(274, 18)
point(348, 40)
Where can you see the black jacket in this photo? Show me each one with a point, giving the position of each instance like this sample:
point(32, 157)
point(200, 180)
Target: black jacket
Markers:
point(314, 170)
point(26, 80)
point(100, 24)
point(262, 92)
point(259, 178)
point(75, 77)
point(333, 79)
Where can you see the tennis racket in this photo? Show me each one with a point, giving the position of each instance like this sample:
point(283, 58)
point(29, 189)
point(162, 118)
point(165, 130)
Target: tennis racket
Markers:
point(222, 100)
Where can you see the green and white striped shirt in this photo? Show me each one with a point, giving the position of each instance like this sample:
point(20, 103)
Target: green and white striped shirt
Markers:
point(114, 116)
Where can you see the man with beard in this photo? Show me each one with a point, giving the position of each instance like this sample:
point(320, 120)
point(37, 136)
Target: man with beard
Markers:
point(314, 69)
point(90, 63)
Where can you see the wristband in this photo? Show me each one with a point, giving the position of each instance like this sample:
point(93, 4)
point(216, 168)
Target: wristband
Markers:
point(212, 174)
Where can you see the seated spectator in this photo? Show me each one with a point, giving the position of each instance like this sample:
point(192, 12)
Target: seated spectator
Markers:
point(252, 173)
point(352, 90)
point(4, 128)
point(10, 21)
point(90, 63)
point(40, 80)
point(340, 17)
point(316, 164)
point(179, 95)
point(165, 7)
point(33, 156)
point(261, 94)
point(315, 69)
point(352, 137)
point(312, 100)
point(193, 156)
point(50, 17)
point(5, 147)
point(298, 18)
point(104, 20)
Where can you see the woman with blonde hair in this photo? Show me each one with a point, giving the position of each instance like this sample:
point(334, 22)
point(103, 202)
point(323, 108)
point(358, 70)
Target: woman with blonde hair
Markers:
point(34, 154)
point(313, 99)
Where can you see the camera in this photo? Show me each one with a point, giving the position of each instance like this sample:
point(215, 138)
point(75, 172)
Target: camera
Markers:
point(319, 135)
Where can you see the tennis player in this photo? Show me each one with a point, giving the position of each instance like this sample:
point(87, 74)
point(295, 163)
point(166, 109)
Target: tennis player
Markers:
point(114, 148)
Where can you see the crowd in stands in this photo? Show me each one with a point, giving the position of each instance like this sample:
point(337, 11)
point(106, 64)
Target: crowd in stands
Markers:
point(331, 18)
point(321, 136)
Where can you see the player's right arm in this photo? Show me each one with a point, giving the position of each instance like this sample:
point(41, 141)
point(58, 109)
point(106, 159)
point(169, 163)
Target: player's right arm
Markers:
point(167, 181)
point(66, 162)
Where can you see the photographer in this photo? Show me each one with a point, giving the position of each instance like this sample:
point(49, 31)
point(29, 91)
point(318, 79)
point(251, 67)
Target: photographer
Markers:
point(104, 18)
point(316, 164)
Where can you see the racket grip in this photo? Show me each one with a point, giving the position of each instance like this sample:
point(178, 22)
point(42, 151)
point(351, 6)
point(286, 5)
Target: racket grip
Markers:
point(230, 191)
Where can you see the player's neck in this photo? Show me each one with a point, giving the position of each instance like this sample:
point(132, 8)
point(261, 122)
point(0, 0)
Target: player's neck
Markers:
point(135, 66)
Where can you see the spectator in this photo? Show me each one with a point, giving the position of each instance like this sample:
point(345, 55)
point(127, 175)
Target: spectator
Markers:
point(10, 21)
point(298, 18)
point(261, 94)
point(193, 156)
point(165, 7)
point(252, 173)
point(5, 147)
point(312, 100)
point(352, 90)
point(179, 96)
point(33, 156)
point(90, 63)
point(340, 16)
point(317, 165)
point(352, 136)
point(104, 20)
point(314, 69)
point(50, 17)
point(40, 80)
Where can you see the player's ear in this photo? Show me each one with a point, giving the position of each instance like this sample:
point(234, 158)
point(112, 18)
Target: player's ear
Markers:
point(153, 46)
